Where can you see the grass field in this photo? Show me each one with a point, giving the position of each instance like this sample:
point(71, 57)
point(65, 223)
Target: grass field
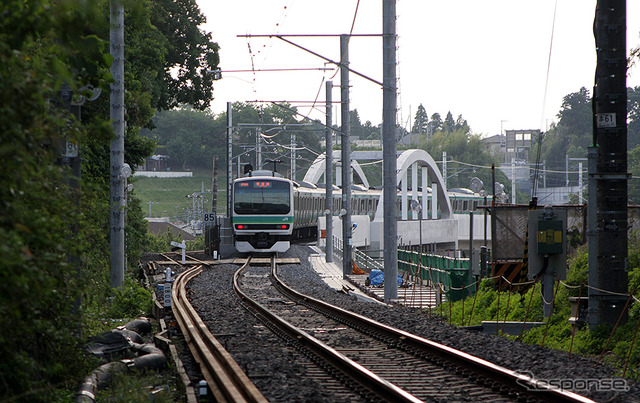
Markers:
point(167, 197)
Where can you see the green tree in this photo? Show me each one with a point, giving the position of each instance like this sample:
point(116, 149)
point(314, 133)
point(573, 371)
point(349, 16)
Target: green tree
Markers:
point(46, 46)
point(633, 126)
point(276, 123)
point(42, 45)
point(189, 136)
point(571, 135)
point(436, 123)
point(421, 121)
point(461, 124)
point(370, 131)
point(191, 55)
point(449, 124)
point(357, 130)
point(469, 158)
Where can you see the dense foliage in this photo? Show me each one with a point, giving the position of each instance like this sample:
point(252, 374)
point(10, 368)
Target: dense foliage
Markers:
point(191, 138)
point(467, 157)
point(54, 265)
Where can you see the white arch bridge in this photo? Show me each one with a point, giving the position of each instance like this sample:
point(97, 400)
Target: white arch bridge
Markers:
point(425, 210)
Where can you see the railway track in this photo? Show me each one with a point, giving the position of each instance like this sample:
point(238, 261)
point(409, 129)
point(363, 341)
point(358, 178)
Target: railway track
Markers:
point(368, 360)
point(386, 363)
point(226, 380)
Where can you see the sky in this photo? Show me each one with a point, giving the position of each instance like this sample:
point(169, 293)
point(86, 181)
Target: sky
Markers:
point(492, 61)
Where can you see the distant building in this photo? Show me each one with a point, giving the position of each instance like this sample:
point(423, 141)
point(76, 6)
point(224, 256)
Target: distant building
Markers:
point(518, 144)
point(367, 143)
point(160, 226)
point(495, 144)
point(412, 139)
point(155, 163)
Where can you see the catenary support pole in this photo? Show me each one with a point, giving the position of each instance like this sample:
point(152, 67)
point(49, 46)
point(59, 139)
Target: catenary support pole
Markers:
point(345, 121)
point(230, 156)
point(610, 139)
point(390, 180)
point(117, 196)
point(328, 175)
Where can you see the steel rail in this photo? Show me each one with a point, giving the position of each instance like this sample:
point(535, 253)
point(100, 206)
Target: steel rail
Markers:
point(226, 380)
point(351, 369)
point(522, 384)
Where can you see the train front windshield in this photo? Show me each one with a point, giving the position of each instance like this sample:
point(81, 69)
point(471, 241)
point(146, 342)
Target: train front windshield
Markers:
point(262, 197)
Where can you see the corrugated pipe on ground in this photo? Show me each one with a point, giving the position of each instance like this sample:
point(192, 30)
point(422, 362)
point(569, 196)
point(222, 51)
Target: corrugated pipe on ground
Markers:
point(117, 341)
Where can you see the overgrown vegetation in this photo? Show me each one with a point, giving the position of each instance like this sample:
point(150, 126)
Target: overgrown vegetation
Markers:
point(54, 227)
point(490, 304)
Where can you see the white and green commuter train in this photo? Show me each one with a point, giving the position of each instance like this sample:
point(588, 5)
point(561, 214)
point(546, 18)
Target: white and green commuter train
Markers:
point(270, 211)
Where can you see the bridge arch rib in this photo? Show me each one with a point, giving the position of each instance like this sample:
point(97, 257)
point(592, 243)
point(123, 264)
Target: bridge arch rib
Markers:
point(414, 159)
point(420, 158)
point(318, 169)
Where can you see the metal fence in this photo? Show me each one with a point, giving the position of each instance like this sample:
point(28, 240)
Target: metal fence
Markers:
point(452, 273)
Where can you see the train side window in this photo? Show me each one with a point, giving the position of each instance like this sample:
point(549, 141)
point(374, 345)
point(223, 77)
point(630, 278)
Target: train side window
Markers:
point(465, 205)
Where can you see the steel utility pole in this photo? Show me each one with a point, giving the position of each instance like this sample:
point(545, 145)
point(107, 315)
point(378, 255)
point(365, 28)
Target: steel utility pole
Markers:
point(345, 121)
point(390, 177)
point(608, 271)
point(328, 174)
point(117, 196)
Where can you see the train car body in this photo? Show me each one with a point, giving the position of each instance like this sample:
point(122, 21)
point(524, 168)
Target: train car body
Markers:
point(262, 213)
point(270, 211)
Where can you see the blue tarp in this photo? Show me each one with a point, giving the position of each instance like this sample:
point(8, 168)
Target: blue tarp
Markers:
point(376, 278)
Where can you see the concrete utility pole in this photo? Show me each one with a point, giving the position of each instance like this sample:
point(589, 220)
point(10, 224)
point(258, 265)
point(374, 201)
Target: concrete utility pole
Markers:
point(389, 107)
point(293, 156)
point(259, 142)
point(117, 196)
point(345, 121)
point(230, 156)
point(609, 271)
point(328, 174)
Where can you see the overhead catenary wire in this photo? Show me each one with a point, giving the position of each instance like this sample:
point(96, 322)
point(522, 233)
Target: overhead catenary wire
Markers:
point(544, 102)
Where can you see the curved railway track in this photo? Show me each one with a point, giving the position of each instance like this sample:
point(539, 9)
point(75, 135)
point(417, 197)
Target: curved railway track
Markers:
point(390, 364)
point(226, 380)
point(376, 361)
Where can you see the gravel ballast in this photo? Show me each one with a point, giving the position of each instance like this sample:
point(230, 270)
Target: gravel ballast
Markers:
point(277, 371)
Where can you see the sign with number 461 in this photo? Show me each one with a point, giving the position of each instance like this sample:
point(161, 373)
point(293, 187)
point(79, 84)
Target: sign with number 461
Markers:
point(606, 120)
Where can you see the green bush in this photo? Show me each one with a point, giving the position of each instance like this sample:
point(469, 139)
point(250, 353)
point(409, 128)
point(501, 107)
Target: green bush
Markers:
point(131, 300)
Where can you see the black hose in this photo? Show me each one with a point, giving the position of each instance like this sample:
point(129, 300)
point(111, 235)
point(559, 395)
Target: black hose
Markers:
point(150, 358)
point(141, 326)
point(100, 378)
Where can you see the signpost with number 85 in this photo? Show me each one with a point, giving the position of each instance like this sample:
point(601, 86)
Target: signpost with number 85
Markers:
point(209, 218)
